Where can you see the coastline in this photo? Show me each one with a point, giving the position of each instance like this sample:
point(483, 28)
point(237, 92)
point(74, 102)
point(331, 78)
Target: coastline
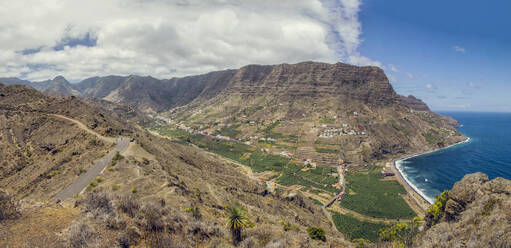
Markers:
point(396, 163)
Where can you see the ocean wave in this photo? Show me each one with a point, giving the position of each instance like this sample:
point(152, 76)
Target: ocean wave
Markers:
point(399, 166)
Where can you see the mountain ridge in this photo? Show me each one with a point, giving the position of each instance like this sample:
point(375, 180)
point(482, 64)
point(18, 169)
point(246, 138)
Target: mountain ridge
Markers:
point(179, 90)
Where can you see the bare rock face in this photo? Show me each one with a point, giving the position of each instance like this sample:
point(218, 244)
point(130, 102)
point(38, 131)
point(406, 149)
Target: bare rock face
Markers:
point(477, 214)
point(414, 103)
point(463, 193)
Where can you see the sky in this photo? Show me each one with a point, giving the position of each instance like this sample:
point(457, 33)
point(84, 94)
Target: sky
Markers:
point(452, 54)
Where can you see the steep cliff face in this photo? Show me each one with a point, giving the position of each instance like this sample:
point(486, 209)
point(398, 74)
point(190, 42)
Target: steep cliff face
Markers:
point(308, 100)
point(477, 214)
point(315, 80)
point(414, 103)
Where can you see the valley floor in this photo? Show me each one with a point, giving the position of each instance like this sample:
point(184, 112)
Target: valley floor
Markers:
point(358, 197)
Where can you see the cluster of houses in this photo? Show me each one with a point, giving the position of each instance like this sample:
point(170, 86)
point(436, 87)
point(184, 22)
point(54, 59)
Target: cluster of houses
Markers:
point(332, 132)
point(219, 137)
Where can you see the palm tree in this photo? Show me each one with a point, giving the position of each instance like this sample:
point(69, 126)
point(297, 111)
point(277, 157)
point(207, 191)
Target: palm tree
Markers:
point(236, 220)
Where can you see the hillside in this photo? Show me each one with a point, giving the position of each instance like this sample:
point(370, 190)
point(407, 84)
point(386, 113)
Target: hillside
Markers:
point(306, 107)
point(477, 213)
point(156, 194)
point(310, 106)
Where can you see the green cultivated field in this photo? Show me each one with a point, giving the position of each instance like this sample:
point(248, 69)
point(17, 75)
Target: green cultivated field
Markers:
point(326, 150)
point(318, 179)
point(259, 162)
point(354, 228)
point(372, 197)
point(230, 131)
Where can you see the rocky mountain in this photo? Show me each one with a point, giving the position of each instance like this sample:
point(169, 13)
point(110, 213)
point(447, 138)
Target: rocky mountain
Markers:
point(315, 106)
point(477, 213)
point(360, 101)
point(414, 103)
point(58, 85)
point(155, 194)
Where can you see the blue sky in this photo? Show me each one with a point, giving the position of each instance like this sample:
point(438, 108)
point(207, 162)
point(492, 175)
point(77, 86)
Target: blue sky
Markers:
point(452, 54)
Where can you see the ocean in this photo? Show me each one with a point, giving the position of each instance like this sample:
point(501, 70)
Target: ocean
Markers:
point(487, 151)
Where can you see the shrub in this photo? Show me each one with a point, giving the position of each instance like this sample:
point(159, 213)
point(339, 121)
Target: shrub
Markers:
point(80, 235)
point(158, 240)
point(489, 205)
point(263, 235)
point(153, 216)
point(8, 207)
point(128, 205)
point(194, 210)
point(116, 187)
point(287, 226)
point(436, 210)
point(316, 233)
point(98, 203)
point(203, 231)
point(116, 223)
point(393, 233)
point(117, 157)
point(361, 243)
point(145, 161)
point(134, 190)
point(129, 237)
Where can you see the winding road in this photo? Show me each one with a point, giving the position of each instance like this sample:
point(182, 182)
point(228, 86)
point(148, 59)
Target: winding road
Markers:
point(80, 184)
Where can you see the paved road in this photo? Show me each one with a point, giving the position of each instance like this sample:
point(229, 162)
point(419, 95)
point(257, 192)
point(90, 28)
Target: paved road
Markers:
point(83, 181)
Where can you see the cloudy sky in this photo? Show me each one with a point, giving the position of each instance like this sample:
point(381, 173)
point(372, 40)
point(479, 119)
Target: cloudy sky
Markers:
point(454, 61)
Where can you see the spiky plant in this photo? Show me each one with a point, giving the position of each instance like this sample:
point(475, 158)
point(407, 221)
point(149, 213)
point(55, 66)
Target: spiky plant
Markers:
point(237, 219)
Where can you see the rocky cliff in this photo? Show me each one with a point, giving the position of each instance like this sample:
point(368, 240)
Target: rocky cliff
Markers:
point(477, 214)
point(323, 106)
point(359, 100)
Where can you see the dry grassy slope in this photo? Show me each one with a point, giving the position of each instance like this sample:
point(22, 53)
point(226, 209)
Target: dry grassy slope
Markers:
point(303, 93)
point(40, 154)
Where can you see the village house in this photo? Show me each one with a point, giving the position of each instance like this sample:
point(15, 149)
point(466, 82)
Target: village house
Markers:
point(387, 173)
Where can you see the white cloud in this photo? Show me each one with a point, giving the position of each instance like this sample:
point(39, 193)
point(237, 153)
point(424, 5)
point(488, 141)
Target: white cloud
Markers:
point(410, 75)
point(431, 86)
point(392, 78)
point(166, 38)
point(459, 49)
point(393, 68)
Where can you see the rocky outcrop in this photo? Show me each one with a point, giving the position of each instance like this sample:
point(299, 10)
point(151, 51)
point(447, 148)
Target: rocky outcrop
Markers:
point(414, 103)
point(477, 214)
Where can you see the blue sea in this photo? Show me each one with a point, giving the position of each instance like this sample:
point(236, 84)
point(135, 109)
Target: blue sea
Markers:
point(487, 151)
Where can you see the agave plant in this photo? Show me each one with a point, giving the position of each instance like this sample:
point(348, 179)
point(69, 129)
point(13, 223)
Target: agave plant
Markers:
point(236, 221)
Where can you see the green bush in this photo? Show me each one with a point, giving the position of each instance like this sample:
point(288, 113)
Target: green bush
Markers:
point(436, 210)
point(117, 157)
point(316, 233)
point(287, 226)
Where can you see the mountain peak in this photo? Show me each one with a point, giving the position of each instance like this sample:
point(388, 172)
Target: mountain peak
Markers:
point(60, 78)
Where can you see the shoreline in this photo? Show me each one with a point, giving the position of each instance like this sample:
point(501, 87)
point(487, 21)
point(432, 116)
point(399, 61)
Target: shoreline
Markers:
point(396, 163)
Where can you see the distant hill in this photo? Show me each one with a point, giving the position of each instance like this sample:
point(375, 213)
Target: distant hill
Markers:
point(256, 96)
